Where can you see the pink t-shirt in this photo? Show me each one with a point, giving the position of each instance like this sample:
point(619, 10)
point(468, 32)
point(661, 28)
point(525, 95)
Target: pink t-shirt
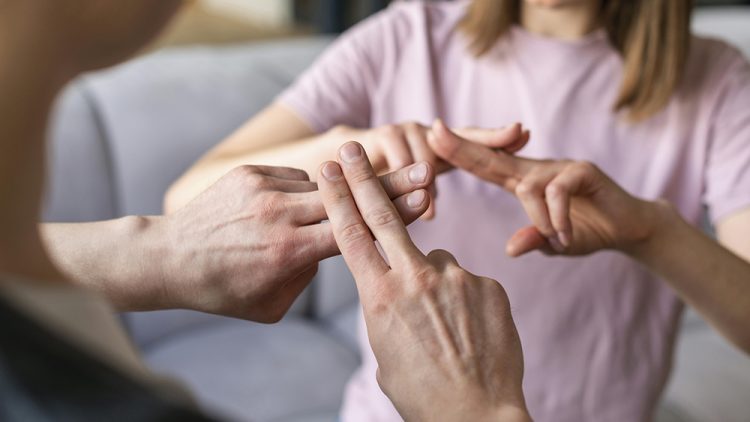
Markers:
point(597, 331)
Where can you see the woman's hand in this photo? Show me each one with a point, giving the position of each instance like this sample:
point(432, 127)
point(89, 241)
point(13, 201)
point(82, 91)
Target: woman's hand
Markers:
point(393, 147)
point(444, 339)
point(574, 207)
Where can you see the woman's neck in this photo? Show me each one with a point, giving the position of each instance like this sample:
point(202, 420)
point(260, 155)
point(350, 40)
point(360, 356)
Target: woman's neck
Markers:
point(29, 82)
point(567, 22)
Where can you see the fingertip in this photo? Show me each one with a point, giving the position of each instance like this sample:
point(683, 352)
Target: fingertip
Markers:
point(331, 171)
point(417, 199)
point(422, 174)
point(524, 241)
point(564, 238)
point(351, 152)
point(512, 250)
point(429, 213)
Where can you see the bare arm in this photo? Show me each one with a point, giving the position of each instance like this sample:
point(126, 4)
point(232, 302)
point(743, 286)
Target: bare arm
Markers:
point(713, 279)
point(278, 137)
point(430, 322)
point(114, 258)
point(246, 247)
point(576, 209)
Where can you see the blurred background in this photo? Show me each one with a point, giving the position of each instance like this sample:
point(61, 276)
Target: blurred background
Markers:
point(121, 136)
point(221, 21)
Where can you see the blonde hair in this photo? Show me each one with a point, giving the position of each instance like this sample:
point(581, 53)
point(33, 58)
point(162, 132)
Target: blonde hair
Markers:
point(653, 37)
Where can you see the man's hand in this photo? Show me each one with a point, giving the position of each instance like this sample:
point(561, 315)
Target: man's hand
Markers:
point(246, 247)
point(445, 341)
point(251, 243)
point(573, 206)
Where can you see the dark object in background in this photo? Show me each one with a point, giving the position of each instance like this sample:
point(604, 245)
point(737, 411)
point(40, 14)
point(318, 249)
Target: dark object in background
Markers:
point(335, 16)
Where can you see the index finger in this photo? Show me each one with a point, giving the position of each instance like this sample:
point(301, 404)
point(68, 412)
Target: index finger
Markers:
point(493, 166)
point(376, 208)
point(349, 229)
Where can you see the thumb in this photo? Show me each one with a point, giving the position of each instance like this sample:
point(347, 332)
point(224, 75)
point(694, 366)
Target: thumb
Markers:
point(526, 240)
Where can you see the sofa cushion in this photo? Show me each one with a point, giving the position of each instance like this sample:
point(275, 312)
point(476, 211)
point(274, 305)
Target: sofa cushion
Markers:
point(245, 371)
point(162, 112)
point(80, 184)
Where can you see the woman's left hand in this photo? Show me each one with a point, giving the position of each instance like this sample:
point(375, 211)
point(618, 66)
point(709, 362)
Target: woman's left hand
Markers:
point(574, 207)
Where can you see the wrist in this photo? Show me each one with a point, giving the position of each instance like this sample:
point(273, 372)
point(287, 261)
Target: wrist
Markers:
point(658, 218)
point(147, 262)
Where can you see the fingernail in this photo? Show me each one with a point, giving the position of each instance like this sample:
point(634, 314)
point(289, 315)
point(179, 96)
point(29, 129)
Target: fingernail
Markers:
point(555, 244)
point(332, 171)
point(416, 199)
point(564, 238)
point(351, 152)
point(418, 173)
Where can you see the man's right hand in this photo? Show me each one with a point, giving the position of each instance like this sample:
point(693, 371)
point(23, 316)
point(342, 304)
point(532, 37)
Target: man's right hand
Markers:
point(250, 244)
point(444, 339)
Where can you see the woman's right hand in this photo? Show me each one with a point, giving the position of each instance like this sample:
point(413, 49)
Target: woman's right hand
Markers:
point(393, 147)
point(574, 207)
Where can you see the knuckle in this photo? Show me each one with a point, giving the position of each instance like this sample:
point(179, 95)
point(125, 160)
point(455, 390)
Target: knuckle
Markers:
point(413, 127)
point(362, 176)
point(300, 174)
point(477, 162)
point(493, 287)
point(392, 131)
point(353, 233)
point(380, 217)
point(254, 180)
point(424, 280)
point(585, 167)
point(526, 188)
point(554, 190)
point(245, 170)
point(272, 206)
point(440, 255)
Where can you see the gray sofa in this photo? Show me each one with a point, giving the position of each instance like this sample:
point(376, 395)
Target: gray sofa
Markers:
point(121, 136)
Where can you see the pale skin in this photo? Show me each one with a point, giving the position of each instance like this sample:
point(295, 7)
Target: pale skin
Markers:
point(712, 276)
point(255, 218)
point(277, 136)
point(245, 248)
point(425, 315)
point(199, 258)
point(575, 209)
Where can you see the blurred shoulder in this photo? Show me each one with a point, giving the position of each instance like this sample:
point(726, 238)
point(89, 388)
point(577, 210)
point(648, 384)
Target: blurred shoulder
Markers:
point(715, 59)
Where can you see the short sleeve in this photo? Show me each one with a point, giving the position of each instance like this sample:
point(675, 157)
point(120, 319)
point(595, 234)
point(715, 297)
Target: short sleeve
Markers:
point(728, 163)
point(339, 86)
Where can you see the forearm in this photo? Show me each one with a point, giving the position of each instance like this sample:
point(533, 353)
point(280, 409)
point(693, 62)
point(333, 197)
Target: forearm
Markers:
point(306, 154)
point(707, 276)
point(126, 260)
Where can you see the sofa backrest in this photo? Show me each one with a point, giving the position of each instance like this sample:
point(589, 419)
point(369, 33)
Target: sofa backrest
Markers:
point(120, 137)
